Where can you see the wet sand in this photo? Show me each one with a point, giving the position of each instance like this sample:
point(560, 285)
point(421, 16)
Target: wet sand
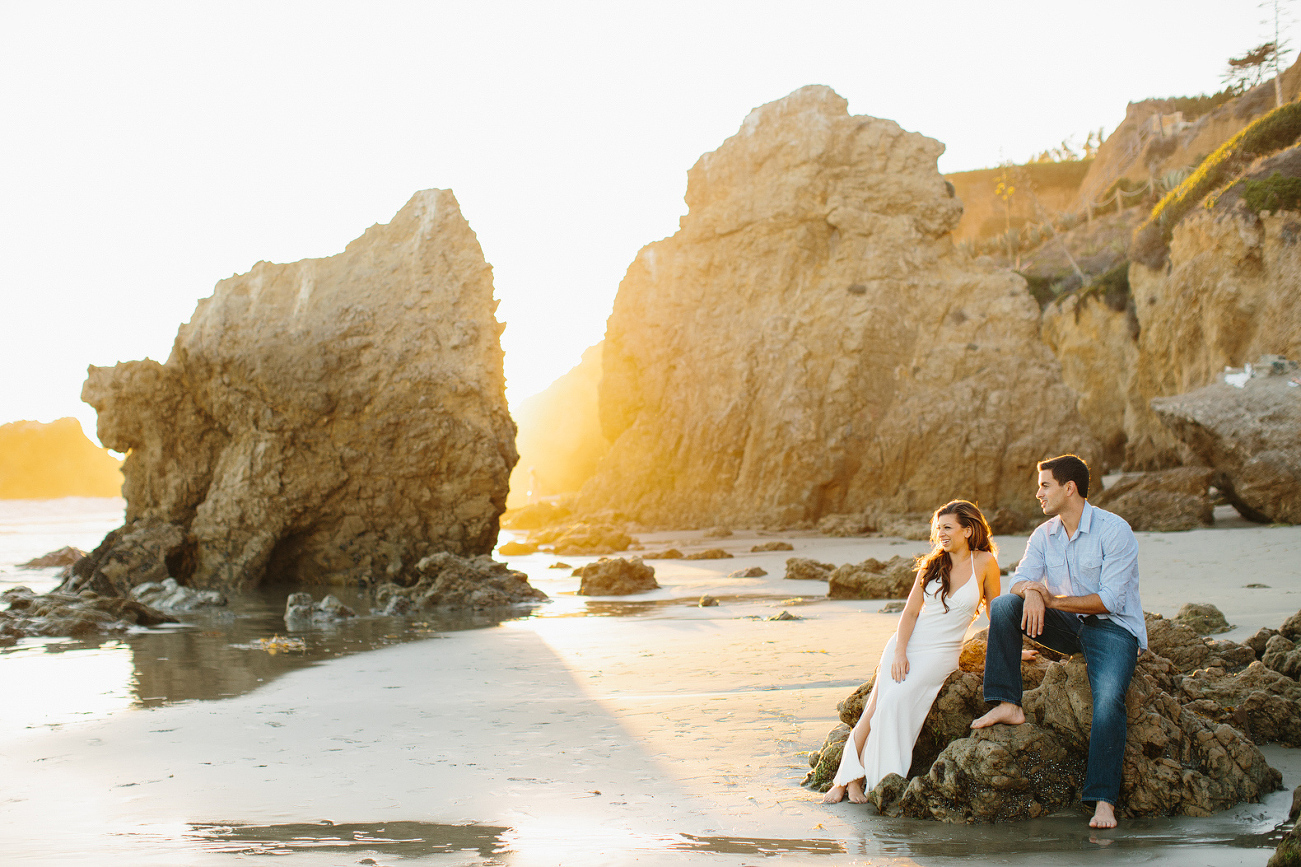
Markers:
point(657, 733)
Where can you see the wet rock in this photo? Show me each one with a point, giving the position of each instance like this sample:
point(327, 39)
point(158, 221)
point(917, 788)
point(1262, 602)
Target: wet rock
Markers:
point(1163, 501)
point(709, 554)
point(1283, 656)
point(139, 552)
point(1176, 642)
point(772, 546)
point(1249, 436)
point(707, 601)
point(872, 579)
point(169, 595)
point(829, 235)
point(450, 582)
point(1202, 618)
point(846, 525)
point(1260, 640)
point(1291, 628)
point(615, 576)
point(301, 611)
point(534, 516)
point(329, 420)
point(516, 549)
point(749, 572)
point(667, 554)
point(583, 539)
point(62, 557)
point(1288, 852)
point(886, 794)
point(73, 615)
point(1262, 703)
point(826, 760)
point(802, 569)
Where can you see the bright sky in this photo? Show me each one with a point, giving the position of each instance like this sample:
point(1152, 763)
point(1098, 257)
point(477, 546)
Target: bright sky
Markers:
point(151, 149)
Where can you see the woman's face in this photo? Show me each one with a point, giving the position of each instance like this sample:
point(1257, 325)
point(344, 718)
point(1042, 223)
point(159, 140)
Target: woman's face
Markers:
point(951, 535)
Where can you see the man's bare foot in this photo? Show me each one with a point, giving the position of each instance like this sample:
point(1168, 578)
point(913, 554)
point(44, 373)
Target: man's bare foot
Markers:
point(1004, 712)
point(834, 795)
point(1104, 816)
point(1027, 655)
point(856, 792)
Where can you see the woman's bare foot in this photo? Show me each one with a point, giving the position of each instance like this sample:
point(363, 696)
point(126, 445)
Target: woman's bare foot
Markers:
point(856, 793)
point(1004, 712)
point(1104, 816)
point(834, 795)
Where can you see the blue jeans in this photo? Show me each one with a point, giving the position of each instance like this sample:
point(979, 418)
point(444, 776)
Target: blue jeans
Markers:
point(1110, 653)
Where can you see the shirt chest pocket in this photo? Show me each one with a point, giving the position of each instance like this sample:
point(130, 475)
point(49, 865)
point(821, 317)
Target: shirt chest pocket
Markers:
point(1091, 567)
point(1058, 573)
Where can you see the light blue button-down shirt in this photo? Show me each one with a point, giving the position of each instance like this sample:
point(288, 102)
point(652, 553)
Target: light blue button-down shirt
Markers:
point(1101, 559)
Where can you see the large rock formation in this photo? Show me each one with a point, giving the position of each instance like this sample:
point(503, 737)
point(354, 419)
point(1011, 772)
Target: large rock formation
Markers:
point(331, 420)
point(46, 461)
point(1251, 436)
point(810, 343)
point(560, 440)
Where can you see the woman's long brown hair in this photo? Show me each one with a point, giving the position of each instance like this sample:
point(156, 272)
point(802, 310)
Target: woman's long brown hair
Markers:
point(937, 565)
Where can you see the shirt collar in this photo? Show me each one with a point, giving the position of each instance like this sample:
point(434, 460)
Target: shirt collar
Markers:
point(1086, 521)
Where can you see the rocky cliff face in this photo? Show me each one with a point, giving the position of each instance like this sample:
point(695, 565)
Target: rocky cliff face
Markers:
point(560, 440)
point(1231, 293)
point(331, 420)
point(809, 342)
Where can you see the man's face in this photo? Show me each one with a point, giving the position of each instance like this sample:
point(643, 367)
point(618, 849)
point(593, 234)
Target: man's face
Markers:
point(1051, 495)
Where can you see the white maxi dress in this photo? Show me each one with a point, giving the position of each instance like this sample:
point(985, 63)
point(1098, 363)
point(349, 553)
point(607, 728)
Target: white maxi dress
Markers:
point(901, 708)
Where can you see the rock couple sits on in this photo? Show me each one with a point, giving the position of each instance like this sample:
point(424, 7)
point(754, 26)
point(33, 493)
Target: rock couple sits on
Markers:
point(1076, 591)
point(953, 581)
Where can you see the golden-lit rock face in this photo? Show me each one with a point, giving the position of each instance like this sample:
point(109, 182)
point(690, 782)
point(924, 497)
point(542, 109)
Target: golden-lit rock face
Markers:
point(809, 342)
point(560, 440)
point(46, 461)
point(330, 420)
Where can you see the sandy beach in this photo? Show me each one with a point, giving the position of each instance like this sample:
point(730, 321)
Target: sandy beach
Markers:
point(643, 730)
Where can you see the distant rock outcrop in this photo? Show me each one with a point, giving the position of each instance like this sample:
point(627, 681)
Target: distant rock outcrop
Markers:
point(330, 420)
point(810, 338)
point(47, 461)
point(1164, 501)
point(560, 440)
point(1251, 436)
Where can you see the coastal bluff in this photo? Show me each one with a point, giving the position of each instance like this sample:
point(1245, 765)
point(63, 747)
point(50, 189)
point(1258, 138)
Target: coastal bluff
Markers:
point(327, 421)
point(810, 342)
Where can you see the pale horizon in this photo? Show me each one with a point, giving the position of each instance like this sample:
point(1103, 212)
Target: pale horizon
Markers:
point(156, 150)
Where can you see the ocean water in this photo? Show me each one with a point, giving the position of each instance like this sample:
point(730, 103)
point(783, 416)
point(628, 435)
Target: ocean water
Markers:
point(30, 528)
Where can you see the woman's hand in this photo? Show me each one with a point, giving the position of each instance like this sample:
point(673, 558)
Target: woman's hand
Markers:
point(899, 668)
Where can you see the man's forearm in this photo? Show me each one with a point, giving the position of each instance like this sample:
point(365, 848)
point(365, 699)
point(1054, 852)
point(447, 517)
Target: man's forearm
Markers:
point(1091, 604)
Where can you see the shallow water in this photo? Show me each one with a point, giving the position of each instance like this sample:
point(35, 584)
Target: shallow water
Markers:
point(216, 654)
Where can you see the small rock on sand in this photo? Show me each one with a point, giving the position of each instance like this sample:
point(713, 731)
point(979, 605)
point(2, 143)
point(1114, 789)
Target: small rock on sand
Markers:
point(750, 572)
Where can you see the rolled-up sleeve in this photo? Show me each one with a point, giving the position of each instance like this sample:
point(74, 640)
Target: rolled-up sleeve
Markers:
point(1031, 567)
point(1119, 567)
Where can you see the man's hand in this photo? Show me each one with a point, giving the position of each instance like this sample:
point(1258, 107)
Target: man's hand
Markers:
point(1032, 614)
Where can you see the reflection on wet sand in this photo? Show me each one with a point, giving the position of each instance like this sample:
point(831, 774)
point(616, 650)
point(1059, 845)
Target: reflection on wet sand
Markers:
point(399, 839)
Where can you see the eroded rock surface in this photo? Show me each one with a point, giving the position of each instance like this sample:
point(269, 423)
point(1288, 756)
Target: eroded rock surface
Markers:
point(330, 420)
point(872, 579)
point(812, 306)
point(1249, 435)
point(72, 615)
point(615, 576)
point(447, 581)
point(1162, 501)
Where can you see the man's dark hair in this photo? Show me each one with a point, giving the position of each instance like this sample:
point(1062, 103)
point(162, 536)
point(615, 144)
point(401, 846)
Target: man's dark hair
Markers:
point(1069, 468)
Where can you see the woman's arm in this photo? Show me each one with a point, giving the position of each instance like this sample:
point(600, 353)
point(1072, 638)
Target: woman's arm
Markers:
point(991, 584)
point(907, 620)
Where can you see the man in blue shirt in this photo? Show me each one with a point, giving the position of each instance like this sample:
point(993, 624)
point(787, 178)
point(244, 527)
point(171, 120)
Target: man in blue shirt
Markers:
point(1076, 591)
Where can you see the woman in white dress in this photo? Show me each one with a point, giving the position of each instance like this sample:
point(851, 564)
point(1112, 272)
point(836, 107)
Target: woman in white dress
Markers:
point(953, 581)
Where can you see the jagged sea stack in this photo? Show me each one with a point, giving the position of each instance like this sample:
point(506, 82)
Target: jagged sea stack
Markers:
point(809, 342)
point(327, 421)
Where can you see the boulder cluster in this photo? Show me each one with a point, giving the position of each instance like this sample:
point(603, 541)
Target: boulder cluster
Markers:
point(1197, 708)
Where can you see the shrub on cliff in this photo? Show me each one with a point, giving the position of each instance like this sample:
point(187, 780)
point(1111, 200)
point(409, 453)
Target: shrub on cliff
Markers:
point(1272, 132)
